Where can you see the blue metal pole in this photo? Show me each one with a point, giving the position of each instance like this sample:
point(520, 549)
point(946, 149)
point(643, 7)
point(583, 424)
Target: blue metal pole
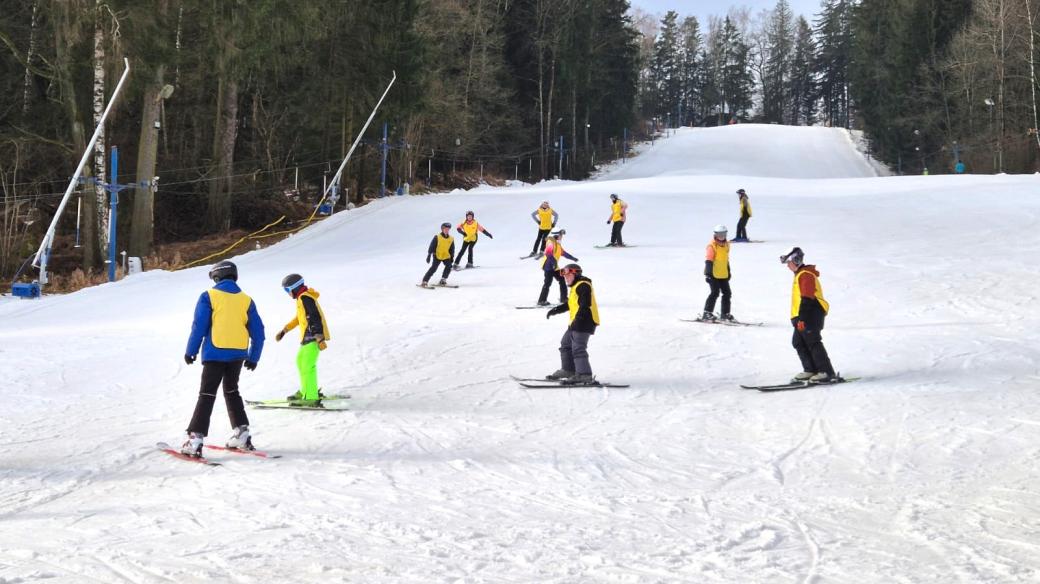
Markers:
point(561, 156)
point(113, 190)
point(384, 147)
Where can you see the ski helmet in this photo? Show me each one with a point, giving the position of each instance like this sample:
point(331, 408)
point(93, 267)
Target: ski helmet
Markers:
point(445, 225)
point(720, 229)
point(571, 268)
point(224, 270)
point(559, 233)
point(292, 282)
point(613, 196)
point(796, 256)
point(741, 192)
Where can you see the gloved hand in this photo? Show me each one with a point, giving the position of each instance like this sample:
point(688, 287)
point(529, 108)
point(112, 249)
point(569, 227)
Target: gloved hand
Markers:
point(278, 335)
point(551, 226)
point(608, 221)
point(558, 309)
point(488, 233)
point(707, 279)
point(189, 359)
point(320, 339)
point(459, 229)
point(428, 258)
point(800, 326)
point(548, 314)
point(250, 365)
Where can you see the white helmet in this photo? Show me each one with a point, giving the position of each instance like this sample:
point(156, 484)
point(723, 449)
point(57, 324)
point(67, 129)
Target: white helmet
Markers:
point(720, 229)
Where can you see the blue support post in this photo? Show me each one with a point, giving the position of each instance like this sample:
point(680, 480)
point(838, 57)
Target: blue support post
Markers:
point(385, 147)
point(113, 218)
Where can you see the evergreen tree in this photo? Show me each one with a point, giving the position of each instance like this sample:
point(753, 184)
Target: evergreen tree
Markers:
point(777, 75)
point(802, 87)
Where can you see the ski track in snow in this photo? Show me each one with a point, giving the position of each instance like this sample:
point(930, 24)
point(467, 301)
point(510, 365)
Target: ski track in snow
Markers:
point(444, 470)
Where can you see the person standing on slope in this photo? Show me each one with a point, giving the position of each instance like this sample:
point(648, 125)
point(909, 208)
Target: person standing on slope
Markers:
point(717, 274)
point(808, 310)
point(230, 333)
point(546, 219)
point(581, 304)
point(745, 214)
point(314, 334)
point(469, 229)
point(442, 248)
point(551, 265)
point(618, 214)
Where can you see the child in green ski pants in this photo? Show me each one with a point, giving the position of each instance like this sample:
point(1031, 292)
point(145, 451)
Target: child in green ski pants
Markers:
point(314, 333)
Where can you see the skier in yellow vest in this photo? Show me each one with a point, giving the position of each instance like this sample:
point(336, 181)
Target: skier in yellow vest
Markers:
point(808, 310)
point(442, 248)
point(618, 215)
point(546, 219)
point(745, 214)
point(717, 274)
point(228, 329)
point(581, 304)
point(469, 230)
point(314, 334)
point(551, 267)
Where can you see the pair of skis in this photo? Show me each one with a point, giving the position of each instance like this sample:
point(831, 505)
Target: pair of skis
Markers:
point(435, 286)
point(610, 246)
point(791, 385)
point(542, 383)
point(284, 404)
point(721, 321)
point(176, 453)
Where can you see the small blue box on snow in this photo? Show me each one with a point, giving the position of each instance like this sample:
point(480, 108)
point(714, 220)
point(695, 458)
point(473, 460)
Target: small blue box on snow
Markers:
point(26, 290)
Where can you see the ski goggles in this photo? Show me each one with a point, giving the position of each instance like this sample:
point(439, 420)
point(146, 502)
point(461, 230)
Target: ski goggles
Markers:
point(289, 289)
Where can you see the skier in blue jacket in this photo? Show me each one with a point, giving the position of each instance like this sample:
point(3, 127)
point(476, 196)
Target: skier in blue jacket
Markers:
point(230, 333)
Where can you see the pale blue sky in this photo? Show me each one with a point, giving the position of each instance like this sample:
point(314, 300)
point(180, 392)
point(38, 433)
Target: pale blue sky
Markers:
point(703, 8)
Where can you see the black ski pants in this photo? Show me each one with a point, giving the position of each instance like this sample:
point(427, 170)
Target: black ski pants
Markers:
point(213, 374)
point(551, 275)
point(615, 233)
point(717, 287)
point(466, 245)
point(433, 268)
point(812, 353)
point(742, 227)
point(539, 242)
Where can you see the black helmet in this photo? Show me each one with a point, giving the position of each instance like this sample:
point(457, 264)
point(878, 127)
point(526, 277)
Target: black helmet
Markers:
point(559, 232)
point(796, 255)
point(741, 192)
point(292, 282)
point(613, 196)
point(443, 225)
point(569, 268)
point(224, 270)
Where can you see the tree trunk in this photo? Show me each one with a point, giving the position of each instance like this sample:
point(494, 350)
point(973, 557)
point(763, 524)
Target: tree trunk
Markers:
point(27, 90)
point(142, 227)
point(100, 171)
point(66, 34)
point(219, 212)
point(1032, 69)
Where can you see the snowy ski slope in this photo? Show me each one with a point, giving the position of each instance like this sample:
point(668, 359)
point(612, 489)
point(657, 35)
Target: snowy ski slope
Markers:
point(445, 471)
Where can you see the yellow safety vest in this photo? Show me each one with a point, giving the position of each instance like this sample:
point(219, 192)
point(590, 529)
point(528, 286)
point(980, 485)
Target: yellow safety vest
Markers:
point(615, 207)
point(572, 302)
point(557, 251)
point(444, 246)
point(720, 265)
point(301, 315)
point(796, 293)
point(470, 228)
point(228, 329)
point(745, 204)
point(545, 218)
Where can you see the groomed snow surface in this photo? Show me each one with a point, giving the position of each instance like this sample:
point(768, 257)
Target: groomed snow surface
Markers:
point(444, 470)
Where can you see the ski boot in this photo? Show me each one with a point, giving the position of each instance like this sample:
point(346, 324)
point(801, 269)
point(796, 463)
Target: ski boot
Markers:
point(822, 377)
point(193, 445)
point(544, 303)
point(581, 379)
point(708, 317)
point(241, 439)
point(469, 265)
point(560, 375)
point(727, 317)
point(443, 282)
point(424, 285)
point(803, 376)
